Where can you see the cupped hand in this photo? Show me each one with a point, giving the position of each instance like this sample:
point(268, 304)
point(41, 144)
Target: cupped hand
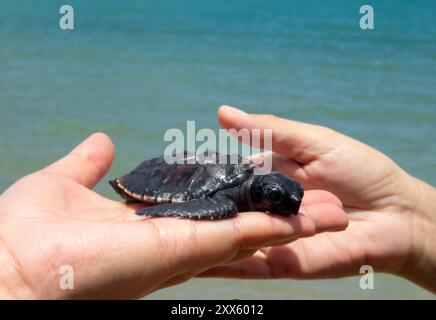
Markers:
point(382, 201)
point(52, 219)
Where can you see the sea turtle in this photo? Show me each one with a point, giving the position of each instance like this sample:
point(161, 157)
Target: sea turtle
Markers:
point(204, 188)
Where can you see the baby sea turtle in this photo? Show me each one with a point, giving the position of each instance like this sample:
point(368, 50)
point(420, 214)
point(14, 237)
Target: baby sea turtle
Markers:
point(204, 188)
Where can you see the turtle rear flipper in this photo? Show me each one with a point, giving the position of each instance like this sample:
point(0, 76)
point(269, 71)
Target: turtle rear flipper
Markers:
point(210, 208)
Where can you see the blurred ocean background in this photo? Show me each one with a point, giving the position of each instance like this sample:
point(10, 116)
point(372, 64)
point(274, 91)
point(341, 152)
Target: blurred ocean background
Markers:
point(136, 68)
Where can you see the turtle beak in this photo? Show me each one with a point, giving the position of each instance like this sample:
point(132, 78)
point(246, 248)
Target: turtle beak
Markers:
point(296, 203)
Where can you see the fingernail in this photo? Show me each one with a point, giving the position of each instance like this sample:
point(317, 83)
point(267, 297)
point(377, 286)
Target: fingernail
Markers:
point(235, 111)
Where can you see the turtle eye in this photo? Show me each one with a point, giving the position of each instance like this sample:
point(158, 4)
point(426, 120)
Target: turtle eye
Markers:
point(274, 195)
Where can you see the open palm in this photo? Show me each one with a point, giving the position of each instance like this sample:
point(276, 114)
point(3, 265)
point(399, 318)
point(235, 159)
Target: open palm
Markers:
point(376, 193)
point(52, 218)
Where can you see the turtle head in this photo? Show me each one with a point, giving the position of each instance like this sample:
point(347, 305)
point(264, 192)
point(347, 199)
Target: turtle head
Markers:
point(276, 193)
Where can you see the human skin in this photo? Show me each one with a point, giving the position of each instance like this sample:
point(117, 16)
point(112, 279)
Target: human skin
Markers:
point(392, 215)
point(52, 218)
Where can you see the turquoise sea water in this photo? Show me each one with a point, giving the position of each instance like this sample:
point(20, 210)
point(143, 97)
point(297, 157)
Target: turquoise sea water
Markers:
point(135, 68)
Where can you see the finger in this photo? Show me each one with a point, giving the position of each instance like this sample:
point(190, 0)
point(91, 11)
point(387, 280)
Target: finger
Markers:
point(326, 216)
point(312, 197)
point(325, 255)
point(88, 162)
point(147, 254)
point(286, 262)
point(300, 141)
point(282, 164)
point(243, 232)
point(237, 235)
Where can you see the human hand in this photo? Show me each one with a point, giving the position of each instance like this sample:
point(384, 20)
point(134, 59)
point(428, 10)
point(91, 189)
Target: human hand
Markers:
point(392, 215)
point(52, 218)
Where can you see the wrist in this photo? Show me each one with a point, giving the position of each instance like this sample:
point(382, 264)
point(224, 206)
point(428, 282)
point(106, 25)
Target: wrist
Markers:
point(420, 266)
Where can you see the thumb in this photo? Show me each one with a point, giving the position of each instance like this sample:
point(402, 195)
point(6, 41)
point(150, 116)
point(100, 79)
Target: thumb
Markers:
point(88, 162)
point(297, 140)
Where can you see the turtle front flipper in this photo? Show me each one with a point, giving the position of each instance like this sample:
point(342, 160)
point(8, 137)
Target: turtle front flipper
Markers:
point(209, 208)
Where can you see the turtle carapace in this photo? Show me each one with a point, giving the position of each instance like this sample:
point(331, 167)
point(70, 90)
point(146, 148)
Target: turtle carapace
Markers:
point(199, 189)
